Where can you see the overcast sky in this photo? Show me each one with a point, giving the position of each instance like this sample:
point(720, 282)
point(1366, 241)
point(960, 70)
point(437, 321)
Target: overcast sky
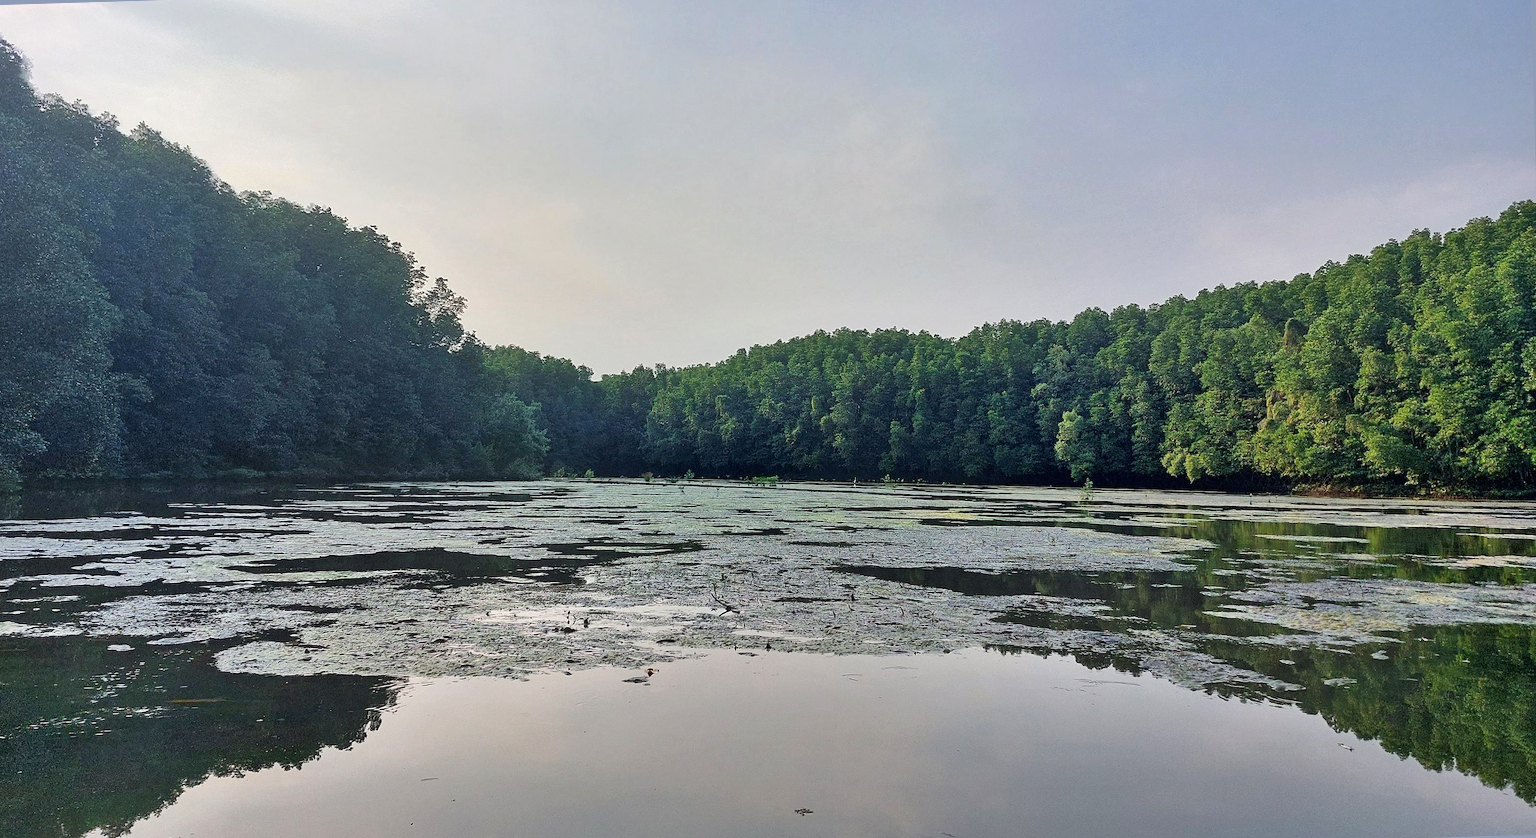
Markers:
point(639, 182)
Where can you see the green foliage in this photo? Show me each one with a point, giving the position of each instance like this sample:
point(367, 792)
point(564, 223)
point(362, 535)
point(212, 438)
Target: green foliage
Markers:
point(55, 321)
point(154, 322)
point(1415, 366)
point(514, 444)
point(1074, 445)
point(569, 406)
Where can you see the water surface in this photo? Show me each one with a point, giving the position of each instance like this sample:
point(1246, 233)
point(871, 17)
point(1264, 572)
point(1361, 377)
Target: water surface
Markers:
point(898, 660)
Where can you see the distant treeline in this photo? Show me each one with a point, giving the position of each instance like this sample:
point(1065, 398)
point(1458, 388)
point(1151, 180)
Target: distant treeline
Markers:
point(1414, 366)
point(155, 322)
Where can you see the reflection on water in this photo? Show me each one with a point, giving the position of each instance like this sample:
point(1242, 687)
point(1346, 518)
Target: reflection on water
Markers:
point(1451, 697)
point(434, 565)
point(98, 738)
point(965, 744)
point(260, 627)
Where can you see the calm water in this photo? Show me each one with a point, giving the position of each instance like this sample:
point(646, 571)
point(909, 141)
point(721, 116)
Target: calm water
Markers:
point(471, 659)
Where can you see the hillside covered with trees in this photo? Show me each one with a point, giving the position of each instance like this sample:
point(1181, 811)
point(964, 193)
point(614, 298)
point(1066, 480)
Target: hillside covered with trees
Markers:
point(154, 322)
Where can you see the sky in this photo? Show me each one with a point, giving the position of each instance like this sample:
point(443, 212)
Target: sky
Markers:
point(642, 182)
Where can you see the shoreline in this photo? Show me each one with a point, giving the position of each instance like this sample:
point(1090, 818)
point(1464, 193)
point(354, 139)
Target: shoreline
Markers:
point(307, 480)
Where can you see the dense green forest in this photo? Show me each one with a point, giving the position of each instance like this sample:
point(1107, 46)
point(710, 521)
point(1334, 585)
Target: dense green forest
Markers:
point(1414, 366)
point(155, 322)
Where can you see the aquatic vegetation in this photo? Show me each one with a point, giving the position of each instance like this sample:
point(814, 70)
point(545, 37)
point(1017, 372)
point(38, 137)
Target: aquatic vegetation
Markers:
point(1281, 599)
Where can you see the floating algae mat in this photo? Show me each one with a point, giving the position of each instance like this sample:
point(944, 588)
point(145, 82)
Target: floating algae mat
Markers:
point(700, 658)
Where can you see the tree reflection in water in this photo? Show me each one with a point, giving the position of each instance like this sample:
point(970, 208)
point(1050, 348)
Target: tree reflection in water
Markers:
point(99, 739)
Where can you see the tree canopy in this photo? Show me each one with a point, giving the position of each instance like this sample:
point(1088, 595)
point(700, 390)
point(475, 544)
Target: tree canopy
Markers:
point(1412, 366)
point(153, 321)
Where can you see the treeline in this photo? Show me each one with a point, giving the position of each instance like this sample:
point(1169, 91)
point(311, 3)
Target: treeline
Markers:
point(153, 321)
point(1413, 366)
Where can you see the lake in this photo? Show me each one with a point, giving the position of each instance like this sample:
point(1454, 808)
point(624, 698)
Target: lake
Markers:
point(699, 658)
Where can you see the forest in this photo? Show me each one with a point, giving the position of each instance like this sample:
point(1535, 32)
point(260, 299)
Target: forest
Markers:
point(154, 322)
point(1411, 368)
